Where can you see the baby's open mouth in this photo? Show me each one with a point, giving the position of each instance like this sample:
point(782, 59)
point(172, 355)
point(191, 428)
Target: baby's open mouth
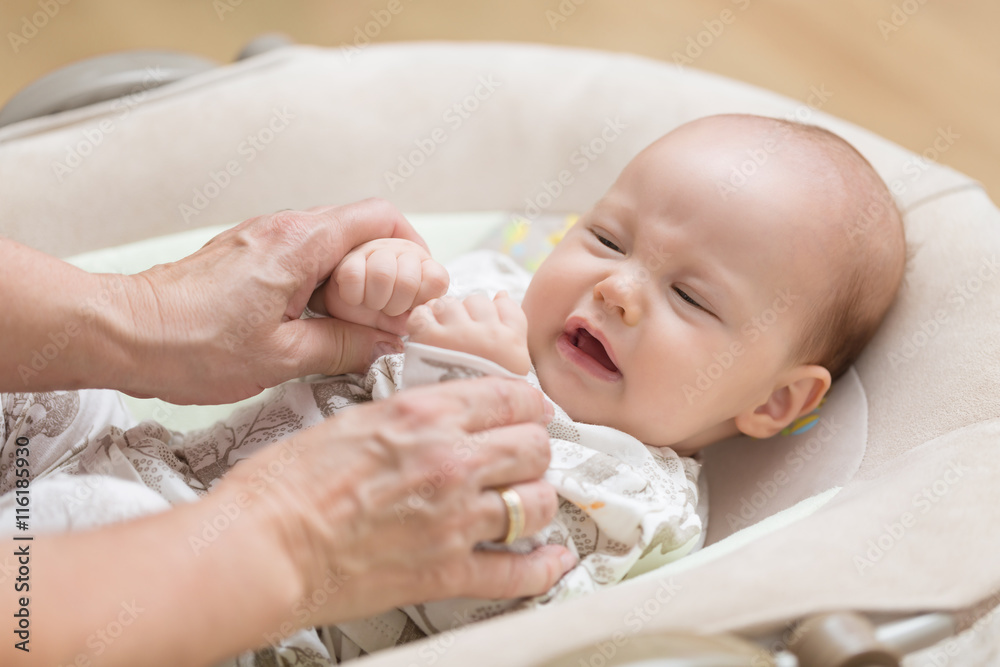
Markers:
point(593, 348)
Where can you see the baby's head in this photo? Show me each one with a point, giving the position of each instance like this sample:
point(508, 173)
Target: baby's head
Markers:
point(736, 268)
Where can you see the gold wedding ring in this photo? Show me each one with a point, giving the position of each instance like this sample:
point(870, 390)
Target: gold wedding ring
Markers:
point(515, 513)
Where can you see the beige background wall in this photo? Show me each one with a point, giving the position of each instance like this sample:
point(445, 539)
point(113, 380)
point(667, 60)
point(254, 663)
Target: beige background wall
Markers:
point(903, 68)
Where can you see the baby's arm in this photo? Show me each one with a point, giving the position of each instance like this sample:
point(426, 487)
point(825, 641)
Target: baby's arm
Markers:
point(493, 329)
point(379, 282)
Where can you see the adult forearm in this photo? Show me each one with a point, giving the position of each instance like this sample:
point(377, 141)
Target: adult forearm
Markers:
point(61, 327)
point(162, 590)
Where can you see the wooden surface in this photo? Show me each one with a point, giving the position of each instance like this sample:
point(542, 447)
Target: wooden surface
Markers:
point(902, 68)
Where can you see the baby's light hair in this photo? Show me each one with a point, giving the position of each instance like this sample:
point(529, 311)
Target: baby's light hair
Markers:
point(869, 269)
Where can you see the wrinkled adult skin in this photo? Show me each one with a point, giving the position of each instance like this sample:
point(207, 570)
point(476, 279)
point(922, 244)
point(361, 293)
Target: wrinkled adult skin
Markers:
point(391, 544)
point(228, 315)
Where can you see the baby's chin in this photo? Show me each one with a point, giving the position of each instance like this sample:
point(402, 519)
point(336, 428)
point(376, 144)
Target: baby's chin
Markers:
point(580, 407)
point(573, 400)
point(588, 410)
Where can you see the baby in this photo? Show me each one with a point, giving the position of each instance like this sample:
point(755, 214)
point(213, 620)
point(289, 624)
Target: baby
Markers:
point(712, 225)
point(668, 271)
point(720, 221)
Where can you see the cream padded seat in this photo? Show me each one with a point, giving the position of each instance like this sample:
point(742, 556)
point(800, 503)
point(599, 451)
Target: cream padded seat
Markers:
point(457, 127)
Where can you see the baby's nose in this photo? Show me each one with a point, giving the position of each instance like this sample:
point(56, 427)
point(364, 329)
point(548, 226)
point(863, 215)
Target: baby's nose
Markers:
point(617, 293)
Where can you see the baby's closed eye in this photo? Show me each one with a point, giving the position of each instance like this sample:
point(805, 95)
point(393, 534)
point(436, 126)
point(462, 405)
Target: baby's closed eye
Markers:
point(607, 242)
point(687, 298)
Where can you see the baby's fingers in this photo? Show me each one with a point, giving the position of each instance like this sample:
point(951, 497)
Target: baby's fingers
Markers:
point(380, 278)
point(481, 309)
point(510, 312)
point(449, 311)
point(349, 276)
point(407, 284)
point(433, 281)
point(421, 319)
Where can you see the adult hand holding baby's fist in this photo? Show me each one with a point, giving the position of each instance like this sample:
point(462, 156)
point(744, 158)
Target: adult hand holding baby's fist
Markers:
point(223, 324)
point(378, 283)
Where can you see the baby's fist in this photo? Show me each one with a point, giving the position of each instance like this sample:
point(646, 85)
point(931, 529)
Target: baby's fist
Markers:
point(389, 275)
point(378, 282)
point(496, 330)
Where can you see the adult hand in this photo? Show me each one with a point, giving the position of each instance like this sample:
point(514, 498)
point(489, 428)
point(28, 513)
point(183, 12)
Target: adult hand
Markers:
point(384, 505)
point(223, 324)
point(379, 507)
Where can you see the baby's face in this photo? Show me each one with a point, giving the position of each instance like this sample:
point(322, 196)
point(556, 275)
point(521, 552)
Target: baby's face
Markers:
point(667, 310)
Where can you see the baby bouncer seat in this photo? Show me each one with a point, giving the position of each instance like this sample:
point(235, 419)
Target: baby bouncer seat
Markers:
point(859, 540)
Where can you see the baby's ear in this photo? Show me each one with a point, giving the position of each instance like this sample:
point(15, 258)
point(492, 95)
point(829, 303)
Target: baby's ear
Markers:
point(799, 392)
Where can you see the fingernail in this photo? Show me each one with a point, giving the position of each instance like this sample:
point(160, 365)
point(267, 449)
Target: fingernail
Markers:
point(568, 561)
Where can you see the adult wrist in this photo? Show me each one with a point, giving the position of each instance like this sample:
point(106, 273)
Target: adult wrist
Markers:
point(240, 526)
point(81, 339)
point(150, 334)
point(311, 523)
point(118, 333)
point(250, 504)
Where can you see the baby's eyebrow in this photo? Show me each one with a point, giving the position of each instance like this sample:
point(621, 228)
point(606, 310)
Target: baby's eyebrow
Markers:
point(724, 295)
point(608, 212)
